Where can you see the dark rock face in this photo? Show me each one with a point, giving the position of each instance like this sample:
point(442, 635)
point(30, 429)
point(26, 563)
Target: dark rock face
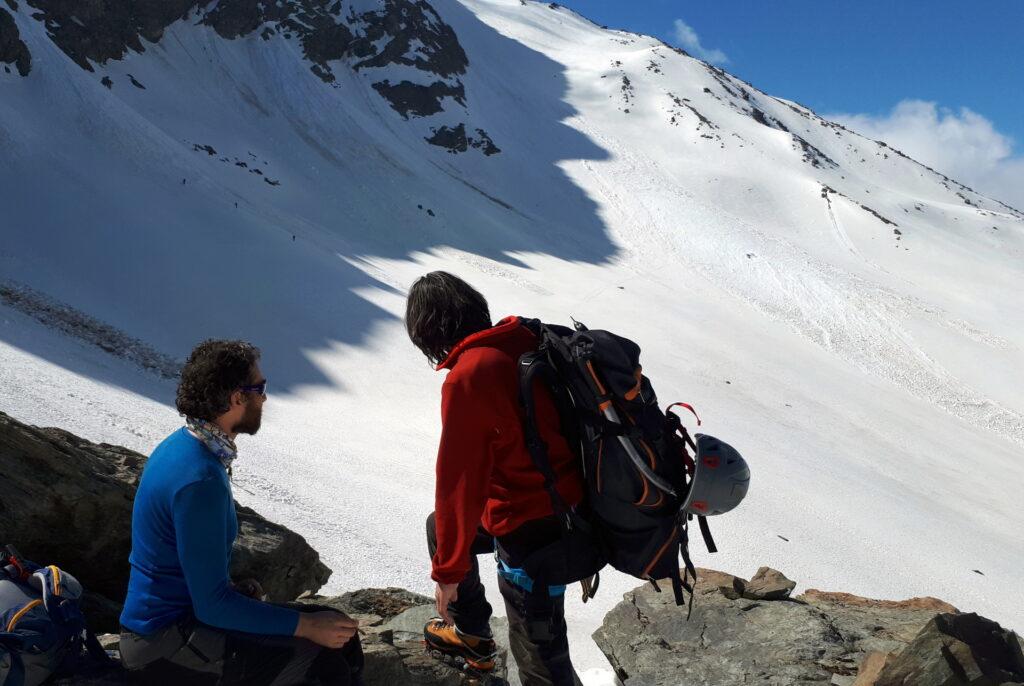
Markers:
point(12, 49)
point(101, 31)
point(317, 23)
point(731, 639)
point(404, 22)
point(455, 140)
point(413, 99)
point(67, 501)
point(407, 33)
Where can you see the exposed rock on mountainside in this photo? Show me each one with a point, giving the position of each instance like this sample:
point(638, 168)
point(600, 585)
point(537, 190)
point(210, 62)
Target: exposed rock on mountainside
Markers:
point(67, 501)
point(454, 139)
point(401, 32)
point(405, 34)
point(97, 32)
point(412, 99)
point(752, 632)
point(12, 49)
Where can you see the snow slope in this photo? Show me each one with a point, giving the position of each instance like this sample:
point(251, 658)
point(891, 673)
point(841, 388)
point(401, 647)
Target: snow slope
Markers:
point(846, 317)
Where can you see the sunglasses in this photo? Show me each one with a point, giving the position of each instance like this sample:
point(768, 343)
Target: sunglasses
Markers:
point(260, 388)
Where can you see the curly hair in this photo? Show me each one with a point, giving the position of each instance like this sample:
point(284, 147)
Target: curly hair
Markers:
point(442, 309)
point(214, 371)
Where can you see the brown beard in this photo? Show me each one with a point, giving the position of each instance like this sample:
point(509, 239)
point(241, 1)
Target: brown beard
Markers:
point(251, 420)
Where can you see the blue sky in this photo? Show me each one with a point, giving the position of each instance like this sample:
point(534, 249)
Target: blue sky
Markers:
point(956, 67)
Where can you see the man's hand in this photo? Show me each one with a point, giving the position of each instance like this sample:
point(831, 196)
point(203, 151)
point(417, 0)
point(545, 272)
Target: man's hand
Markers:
point(444, 594)
point(328, 628)
point(250, 588)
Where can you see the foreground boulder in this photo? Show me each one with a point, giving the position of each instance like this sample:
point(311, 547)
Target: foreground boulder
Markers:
point(391, 627)
point(952, 649)
point(752, 632)
point(67, 501)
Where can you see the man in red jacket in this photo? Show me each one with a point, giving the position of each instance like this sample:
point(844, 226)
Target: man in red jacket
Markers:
point(489, 495)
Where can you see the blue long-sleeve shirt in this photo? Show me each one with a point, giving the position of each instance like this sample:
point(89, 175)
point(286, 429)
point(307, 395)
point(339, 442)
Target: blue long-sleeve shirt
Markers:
point(183, 527)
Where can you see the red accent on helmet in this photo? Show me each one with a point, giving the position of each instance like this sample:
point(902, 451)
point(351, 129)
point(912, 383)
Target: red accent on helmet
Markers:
point(711, 461)
point(699, 505)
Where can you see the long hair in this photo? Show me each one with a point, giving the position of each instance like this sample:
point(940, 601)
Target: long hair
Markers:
point(214, 371)
point(442, 309)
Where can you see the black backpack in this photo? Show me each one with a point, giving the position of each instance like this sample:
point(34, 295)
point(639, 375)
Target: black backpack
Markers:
point(634, 456)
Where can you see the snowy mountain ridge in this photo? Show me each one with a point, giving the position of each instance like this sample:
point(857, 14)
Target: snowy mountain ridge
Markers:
point(283, 171)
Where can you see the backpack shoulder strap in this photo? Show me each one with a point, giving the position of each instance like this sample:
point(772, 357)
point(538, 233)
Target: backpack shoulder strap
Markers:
point(705, 532)
point(531, 366)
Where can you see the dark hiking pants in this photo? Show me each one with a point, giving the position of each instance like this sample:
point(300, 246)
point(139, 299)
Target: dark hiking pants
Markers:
point(536, 620)
point(189, 652)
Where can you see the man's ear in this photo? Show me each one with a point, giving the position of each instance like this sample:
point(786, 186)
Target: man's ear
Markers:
point(238, 398)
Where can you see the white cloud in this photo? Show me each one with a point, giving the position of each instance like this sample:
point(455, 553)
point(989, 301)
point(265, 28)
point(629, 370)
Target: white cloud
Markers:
point(690, 42)
point(963, 145)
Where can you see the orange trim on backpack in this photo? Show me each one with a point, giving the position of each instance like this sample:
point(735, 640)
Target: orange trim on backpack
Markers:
point(56, 579)
point(661, 496)
point(661, 552)
point(646, 489)
point(600, 386)
point(22, 612)
point(635, 390)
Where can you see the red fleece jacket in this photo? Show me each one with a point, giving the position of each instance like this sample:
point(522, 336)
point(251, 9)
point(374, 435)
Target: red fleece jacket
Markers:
point(484, 471)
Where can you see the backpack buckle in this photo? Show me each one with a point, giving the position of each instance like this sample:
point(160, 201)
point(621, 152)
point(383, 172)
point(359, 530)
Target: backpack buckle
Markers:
point(12, 557)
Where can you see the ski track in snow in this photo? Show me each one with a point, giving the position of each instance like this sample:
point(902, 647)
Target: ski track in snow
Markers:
point(805, 292)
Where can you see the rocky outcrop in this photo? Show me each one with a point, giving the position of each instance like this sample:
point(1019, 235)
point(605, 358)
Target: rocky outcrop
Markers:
point(67, 501)
point(408, 34)
point(400, 32)
point(12, 49)
point(391, 629)
point(952, 649)
point(455, 140)
point(752, 632)
point(415, 100)
point(60, 316)
point(94, 32)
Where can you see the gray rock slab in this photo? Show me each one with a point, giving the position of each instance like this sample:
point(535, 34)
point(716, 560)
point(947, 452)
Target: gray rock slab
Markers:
point(818, 638)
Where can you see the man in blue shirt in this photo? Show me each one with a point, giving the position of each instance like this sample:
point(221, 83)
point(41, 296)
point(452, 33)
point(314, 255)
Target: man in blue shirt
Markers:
point(184, 620)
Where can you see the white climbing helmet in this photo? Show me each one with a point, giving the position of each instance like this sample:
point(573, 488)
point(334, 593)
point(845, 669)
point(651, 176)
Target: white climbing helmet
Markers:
point(720, 480)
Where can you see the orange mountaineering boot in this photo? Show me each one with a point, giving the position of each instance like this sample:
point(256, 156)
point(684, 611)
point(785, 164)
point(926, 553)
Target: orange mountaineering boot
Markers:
point(446, 642)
